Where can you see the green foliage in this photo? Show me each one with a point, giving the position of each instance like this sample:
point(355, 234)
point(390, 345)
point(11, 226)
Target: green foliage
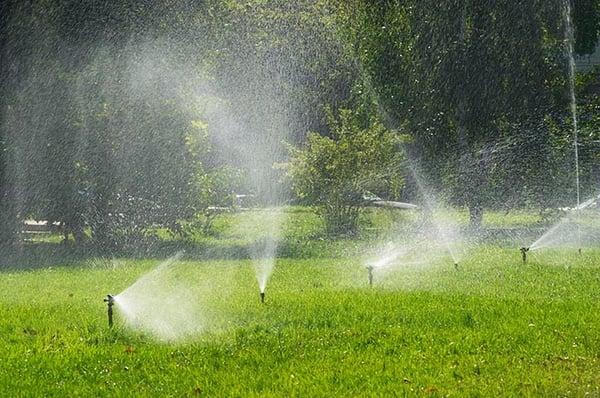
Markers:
point(589, 131)
point(335, 173)
point(488, 110)
point(287, 54)
point(216, 190)
point(105, 141)
point(586, 18)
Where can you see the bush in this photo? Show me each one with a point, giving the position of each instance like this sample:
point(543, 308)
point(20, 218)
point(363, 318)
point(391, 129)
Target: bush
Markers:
point(335, 174)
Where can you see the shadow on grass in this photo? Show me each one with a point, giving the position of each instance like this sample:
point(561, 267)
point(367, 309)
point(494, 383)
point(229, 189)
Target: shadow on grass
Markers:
point(34, 255)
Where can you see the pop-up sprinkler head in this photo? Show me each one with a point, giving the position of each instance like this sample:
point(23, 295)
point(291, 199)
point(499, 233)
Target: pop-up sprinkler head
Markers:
point(110, 301)
point(262, 297)
point(370, 269)
point(524, 251)
point(579, 250)
point(456, 266)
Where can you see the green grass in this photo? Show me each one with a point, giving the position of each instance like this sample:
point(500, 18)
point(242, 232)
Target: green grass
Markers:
point(493, 328)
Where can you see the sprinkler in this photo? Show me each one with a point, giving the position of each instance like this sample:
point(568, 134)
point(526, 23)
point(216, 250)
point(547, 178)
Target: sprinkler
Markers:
point(524, 251)
point(262, 297)
point(456, 266)
point(370, 269)
point(110, 301)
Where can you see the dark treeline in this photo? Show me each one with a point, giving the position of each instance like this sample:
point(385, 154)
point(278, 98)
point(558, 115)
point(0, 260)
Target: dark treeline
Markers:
point(120, 116)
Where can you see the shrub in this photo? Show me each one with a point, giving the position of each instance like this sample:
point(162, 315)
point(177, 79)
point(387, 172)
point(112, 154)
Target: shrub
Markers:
point(336, 173)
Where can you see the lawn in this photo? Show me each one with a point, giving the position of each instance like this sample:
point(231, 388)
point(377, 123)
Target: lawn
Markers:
point(494, 327)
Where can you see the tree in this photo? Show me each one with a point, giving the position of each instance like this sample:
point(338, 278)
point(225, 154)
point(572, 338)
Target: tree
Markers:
point(586, 18)
point(456, 74)
point(104, 140)
point(15, 26)
point(276, 66)
point(588, 110)
point(7, 217)
point(335, 174)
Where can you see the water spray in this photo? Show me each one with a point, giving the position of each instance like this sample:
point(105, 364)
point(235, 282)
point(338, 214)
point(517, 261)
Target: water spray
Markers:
point(570, 48)
point(370, 269)
point(110, 301)
point(524, 251)
point(262, 297)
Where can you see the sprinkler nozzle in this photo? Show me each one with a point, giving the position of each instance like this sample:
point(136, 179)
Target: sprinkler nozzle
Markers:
point(456, 266)
point(110, 301)
point(262, 297)
point(524, 251)
point(370, 269)
point(579, 250)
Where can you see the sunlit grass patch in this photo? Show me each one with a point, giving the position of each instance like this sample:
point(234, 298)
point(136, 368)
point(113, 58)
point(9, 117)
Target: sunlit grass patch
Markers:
point(493, 327)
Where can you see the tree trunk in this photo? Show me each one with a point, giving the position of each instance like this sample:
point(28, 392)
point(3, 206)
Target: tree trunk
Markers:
point(475, 215)
point(12, 71)
point(470, 175)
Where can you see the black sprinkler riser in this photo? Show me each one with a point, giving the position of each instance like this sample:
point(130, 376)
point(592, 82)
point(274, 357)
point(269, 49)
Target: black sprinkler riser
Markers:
point(110, 301)
point(524, 251)
point(370, 269)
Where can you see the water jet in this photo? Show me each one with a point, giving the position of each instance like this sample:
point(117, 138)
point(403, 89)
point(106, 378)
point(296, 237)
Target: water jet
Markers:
point(570, 48)
point(110, 301)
